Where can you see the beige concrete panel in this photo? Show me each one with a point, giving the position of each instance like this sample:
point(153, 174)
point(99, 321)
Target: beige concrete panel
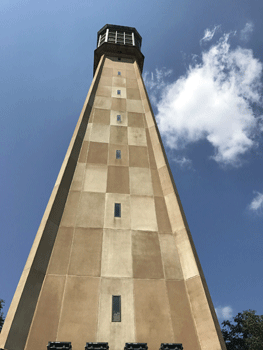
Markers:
point(70, 211)
point(157, 189)
point(122, 122)
point(174, 212)
point(153, 134)
point(119, 81)
point(205, 326)
point(107, 72)
point(116, 333)
point(163, 221)
point(83, 152)
point(145, 103)
point(133, 94)
point(143, 215)
point(95, 178)
point(101, 116)
point(130, 74)
point(135, 120)
point(170, 257)
point(59, 260)
point(118, 179)
point(182, 320)
point(165, 179)
point(78, 322)
point(186, 254)
point(98, 153)
point(131, 83)
point(146, 255)
point(124, 222)
point(85, 259)
point(105, 81)
point(150, 151)
point(115, 92)
point(100, 133)
point(140, 181)
point(138, 156)
point(102, 102)
point(118, 104)
point(124, 161)
point(91, 210)
point(152, 313)
point(136, 136)
point(149, 119)
point(45, 322)
point(159, 156)
point(134, 106)
point(77, 180)
point(118, 135)
point(116, 260)
point(104, 91)
point(88, 132)
point(130, 65)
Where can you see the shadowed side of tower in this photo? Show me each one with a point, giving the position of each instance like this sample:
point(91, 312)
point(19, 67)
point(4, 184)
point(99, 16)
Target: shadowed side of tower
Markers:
point(113, 260)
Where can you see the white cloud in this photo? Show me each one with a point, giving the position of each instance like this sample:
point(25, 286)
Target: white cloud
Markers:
point(183, 162)
point(224, 312)
point(209, 34)
point(212, 101)
point(247, 31)
point(256, 205)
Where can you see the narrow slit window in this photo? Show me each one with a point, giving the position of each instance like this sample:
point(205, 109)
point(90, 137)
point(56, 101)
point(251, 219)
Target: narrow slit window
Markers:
point(116, 308)
point(118, 154)
point(119, 73)
point(118, 92)
point(118, 118)
point(117, 210)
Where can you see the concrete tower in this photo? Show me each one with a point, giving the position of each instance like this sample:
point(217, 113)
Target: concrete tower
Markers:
point(113, 259)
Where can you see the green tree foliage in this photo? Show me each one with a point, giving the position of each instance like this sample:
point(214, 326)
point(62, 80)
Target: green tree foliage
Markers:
point(245, 332)
point(2, 303)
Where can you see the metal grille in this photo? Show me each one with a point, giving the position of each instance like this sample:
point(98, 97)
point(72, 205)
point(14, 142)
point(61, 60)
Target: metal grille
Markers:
point(171, 346)
point(137, 346)
point(116, 308)
point(96, 346)
point(59, 345)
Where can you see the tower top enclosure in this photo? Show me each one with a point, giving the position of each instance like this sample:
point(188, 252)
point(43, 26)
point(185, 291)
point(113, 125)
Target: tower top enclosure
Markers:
point(119, 41)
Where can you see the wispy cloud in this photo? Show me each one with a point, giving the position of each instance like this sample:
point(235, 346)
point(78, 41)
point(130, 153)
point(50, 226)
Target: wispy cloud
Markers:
point(224, 312)
point(215, 100)
point(209, 34)
point(256, 206)
point(245, 33)
point(156, 82)
point(183, 162)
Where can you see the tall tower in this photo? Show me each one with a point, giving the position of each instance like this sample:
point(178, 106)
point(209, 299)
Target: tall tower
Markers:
point(113, 259)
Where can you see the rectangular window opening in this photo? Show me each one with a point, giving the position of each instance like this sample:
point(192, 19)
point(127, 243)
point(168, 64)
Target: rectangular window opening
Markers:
point(118, 92)
point(118, 118)
point(116, 308)
point(117, 210)
point(119, 73)
point(118, 154)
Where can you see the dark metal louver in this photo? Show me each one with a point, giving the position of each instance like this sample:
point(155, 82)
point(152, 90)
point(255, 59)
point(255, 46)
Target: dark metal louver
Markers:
point(96, 346)
point(116, 308)
point(59, 345)
point(136, 346)
point(171, 346)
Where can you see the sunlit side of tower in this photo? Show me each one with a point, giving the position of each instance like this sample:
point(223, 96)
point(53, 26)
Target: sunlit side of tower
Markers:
point(113, 259)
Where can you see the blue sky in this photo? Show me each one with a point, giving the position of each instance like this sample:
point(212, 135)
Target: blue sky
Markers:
point(203, 71)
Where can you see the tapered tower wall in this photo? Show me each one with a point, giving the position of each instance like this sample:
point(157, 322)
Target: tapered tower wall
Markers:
point(83, 254)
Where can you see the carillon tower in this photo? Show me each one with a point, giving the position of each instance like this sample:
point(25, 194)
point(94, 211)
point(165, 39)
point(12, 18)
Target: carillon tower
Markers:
point(113, 260)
